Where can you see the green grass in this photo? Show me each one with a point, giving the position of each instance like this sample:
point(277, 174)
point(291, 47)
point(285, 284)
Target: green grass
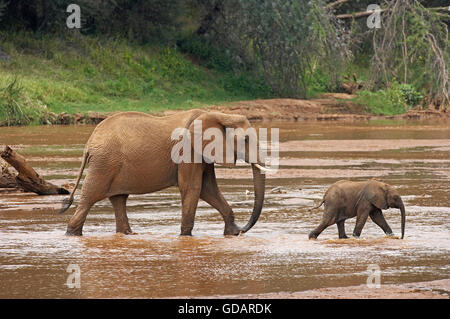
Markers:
point(396, 99)
point(82, 73)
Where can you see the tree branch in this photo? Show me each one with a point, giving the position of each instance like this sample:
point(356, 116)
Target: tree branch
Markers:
point(28, 179)
point(336, 3)
point(361, 14)
point(358, 14)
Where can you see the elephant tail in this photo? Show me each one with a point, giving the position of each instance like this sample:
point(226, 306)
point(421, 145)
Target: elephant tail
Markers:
point(323, 201)
point(67, 202)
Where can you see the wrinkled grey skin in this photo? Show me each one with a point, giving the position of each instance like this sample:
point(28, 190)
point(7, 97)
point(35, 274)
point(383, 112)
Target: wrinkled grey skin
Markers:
point(346, 199)
point(130, 153)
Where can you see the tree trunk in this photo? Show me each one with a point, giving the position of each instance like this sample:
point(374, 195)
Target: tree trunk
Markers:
point(27, 178)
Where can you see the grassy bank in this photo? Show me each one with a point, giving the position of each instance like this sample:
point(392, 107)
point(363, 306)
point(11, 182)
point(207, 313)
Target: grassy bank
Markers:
point(81, 73)
point(75, 74)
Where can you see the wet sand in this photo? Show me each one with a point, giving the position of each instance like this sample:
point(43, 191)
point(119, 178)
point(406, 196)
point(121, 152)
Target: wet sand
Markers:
point(438, 289)
point(275, 259)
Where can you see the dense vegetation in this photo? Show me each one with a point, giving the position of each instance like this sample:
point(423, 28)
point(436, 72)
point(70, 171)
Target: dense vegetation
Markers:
point(151, 55)
point(80, 74)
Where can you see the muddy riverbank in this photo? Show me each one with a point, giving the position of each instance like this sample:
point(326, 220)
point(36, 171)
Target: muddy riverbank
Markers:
point(274, 258)
point(438, 289)
point(328, 107)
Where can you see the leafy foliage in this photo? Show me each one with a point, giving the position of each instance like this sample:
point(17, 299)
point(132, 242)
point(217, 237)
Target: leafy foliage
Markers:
point(139, 20)
point(258, 48)
point(412, 47)
point(80, 74)
point(16, 108)
point(284, 41)
point(396, 99)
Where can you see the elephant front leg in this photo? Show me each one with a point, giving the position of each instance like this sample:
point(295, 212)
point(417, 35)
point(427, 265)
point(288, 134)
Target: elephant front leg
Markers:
point(211, 194)
point(378, 218)
point(190, 185)
point(361, 218)
point(341, 229)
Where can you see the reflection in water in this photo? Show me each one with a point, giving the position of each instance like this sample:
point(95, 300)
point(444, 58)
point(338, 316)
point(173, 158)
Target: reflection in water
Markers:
point(274, 256)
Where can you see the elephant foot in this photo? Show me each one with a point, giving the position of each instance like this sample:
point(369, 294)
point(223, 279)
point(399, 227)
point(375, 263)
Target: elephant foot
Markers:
point(232, 230)
point(355, 236)
point(343, 237)
point(125, 232)
point(73, 231)
point(390, 235)
point(312, 235)
point(186, 231)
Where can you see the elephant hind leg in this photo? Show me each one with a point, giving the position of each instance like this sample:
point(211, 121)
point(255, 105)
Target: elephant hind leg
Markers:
point(318, 230)
point(95, 187)
point(75, 226)
point(327, 220)
point(119, 203)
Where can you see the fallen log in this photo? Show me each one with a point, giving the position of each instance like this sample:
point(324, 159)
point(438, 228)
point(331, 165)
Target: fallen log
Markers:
point(7, 179)
point(27, 178)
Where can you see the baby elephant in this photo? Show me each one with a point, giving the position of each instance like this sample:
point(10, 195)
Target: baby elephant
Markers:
point(346, 199)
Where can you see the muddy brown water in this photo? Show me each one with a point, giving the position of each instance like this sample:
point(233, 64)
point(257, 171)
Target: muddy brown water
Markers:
point(275, 256)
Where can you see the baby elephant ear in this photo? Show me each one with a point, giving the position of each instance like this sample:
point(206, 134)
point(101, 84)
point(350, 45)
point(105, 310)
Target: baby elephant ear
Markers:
point(376, 193)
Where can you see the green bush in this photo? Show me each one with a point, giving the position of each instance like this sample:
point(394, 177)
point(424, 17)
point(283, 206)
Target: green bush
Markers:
point(318, 82)
point(394, 100)
point(410, 94)
point(16, 108)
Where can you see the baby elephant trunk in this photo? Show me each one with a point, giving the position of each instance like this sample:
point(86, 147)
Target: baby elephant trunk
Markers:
point(402, 212)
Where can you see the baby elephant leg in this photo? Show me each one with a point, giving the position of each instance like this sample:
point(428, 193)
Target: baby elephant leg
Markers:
point(327, 220)
point(341, 229)
point(378, 218)
point(361, 218)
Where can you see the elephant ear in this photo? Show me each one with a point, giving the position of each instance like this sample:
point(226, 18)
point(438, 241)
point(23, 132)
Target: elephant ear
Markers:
point(212, 126)
point(376, 193)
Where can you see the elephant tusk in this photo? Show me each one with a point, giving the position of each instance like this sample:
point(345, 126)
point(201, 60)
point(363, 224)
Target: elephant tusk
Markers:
point(264, 169)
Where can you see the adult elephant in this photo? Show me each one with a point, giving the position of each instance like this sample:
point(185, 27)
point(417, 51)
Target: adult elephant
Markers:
point(131, 153)
point(346, 199)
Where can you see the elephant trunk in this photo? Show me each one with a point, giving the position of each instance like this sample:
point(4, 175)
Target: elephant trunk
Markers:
point(259, 182)
point(402, 212)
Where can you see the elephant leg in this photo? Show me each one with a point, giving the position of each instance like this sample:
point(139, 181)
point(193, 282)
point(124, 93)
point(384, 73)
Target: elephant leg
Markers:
point(119, 203)
point(378, 218)
point(190, 185)
point(75, 226)
point(94, 189)
point(361, 218)
point(211, 194)
point(328, 219)
point(341, 229)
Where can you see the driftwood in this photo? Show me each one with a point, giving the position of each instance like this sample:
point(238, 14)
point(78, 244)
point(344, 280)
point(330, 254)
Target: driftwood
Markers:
point(7, 179)
point(28, 179)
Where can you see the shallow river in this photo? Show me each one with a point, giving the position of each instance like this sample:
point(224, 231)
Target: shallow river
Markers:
point(36, 258)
